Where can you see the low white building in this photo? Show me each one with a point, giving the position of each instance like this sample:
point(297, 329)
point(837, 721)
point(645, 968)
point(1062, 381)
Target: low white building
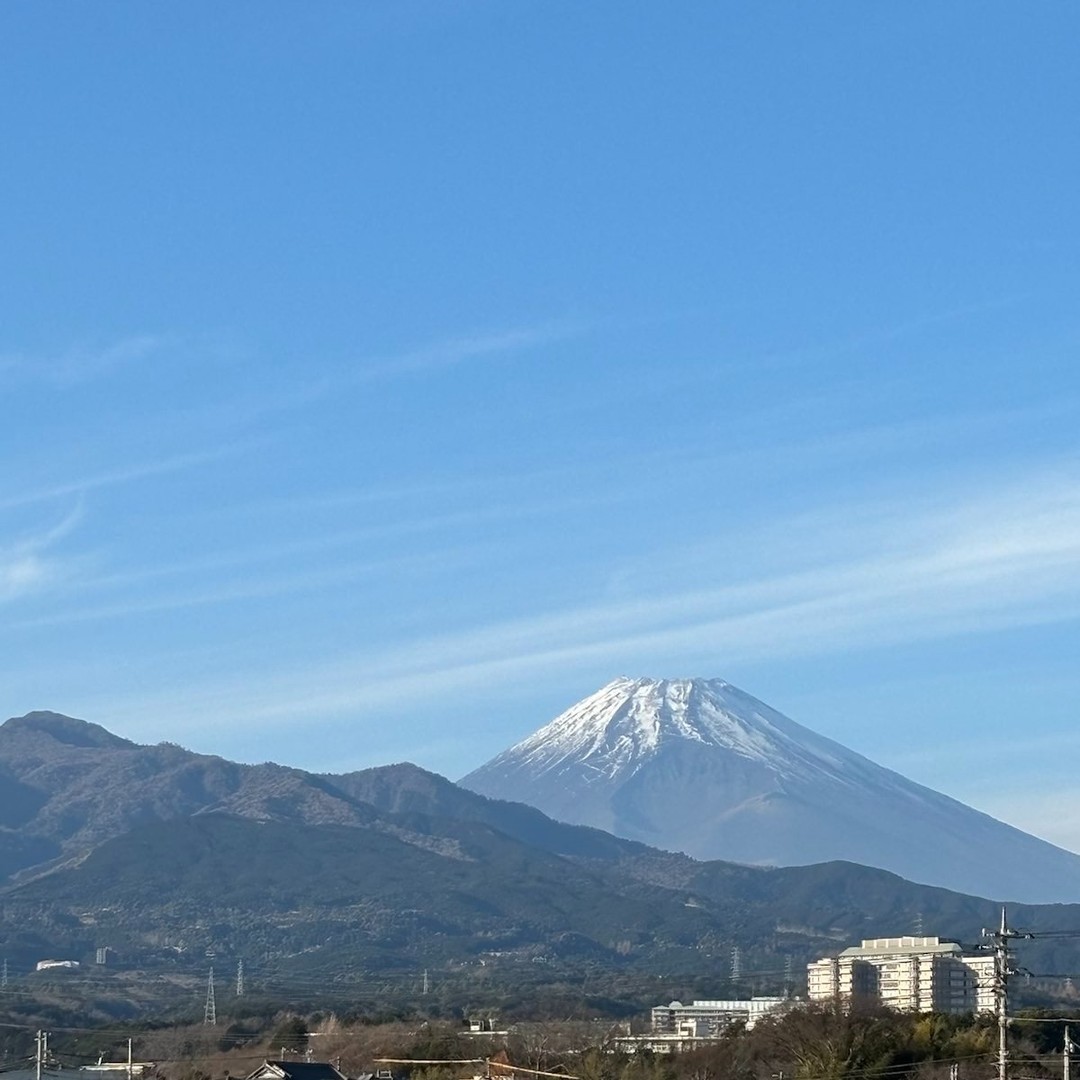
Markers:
point(706, 1019)
point(56, 965)
point(909, 974)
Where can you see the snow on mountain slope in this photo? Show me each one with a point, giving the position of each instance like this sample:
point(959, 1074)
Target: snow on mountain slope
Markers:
point(697, 765)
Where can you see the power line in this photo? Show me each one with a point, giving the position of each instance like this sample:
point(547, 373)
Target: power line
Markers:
point(1000, 944)
point(1000, 939)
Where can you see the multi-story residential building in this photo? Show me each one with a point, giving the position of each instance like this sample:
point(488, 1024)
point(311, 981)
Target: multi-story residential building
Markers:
point(909, 974)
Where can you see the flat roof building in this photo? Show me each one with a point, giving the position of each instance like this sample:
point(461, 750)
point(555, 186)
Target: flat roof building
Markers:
point(709, 1018)
point(909, 974)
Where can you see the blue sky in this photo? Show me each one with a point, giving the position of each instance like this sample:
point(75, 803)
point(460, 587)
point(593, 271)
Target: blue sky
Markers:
point(381, 378)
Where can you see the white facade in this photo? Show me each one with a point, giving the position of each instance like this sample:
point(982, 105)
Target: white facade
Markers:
point(709, 1018)
point(909, 974)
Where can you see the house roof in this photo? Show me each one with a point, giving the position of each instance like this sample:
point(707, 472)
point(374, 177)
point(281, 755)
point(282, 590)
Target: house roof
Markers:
point(296, 1070)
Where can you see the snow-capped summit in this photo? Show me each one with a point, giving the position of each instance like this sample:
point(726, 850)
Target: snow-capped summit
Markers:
point(698, 765)
point(615, 731)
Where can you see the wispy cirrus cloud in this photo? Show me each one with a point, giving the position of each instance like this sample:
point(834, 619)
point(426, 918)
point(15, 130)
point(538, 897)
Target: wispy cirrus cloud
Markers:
point(125, 474)
point(453, 351)
point(444, 353)
point(21, 574)
point(1000, 558)
point(332, 377)
point(252, 587)
point(25, 565)
point(277, 569)
point(81, 364)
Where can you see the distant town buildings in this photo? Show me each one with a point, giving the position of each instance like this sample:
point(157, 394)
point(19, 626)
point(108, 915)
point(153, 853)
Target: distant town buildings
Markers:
point(909, 974)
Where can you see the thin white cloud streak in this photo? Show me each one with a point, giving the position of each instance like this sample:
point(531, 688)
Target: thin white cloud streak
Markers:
point(606, 476)
point(25, 570)
point(116, 477)
point(24, 566)
point(54, 533)
point(454, 351)
point(1008, 558)
point(338, 377)
point(82, 365)
point(281, 583)
point(861, 341)
point(261, 588)
point(22, 574)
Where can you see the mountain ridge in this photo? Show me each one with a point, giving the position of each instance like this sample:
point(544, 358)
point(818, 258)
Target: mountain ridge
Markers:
point(402, 869)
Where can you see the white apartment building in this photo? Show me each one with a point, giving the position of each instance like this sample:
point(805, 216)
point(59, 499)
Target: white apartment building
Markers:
point(909, 974)
point(703, 1019)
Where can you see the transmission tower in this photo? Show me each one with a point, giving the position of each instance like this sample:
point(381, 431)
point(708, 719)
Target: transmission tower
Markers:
point(789, 976)
point(736, 964)
point(210, 1013)
point(427, 983)
point(3, 975)
point(240, 978)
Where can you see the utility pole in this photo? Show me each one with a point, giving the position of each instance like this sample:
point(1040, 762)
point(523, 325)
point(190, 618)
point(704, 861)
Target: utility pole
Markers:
point(41, 1052)
point(210, 1012)
point(1000, 939)
point(129, 1060)
point(1066, 1055)
point(240, 977)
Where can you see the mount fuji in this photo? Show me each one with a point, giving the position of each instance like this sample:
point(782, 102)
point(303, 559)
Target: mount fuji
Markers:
point(699, 766)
